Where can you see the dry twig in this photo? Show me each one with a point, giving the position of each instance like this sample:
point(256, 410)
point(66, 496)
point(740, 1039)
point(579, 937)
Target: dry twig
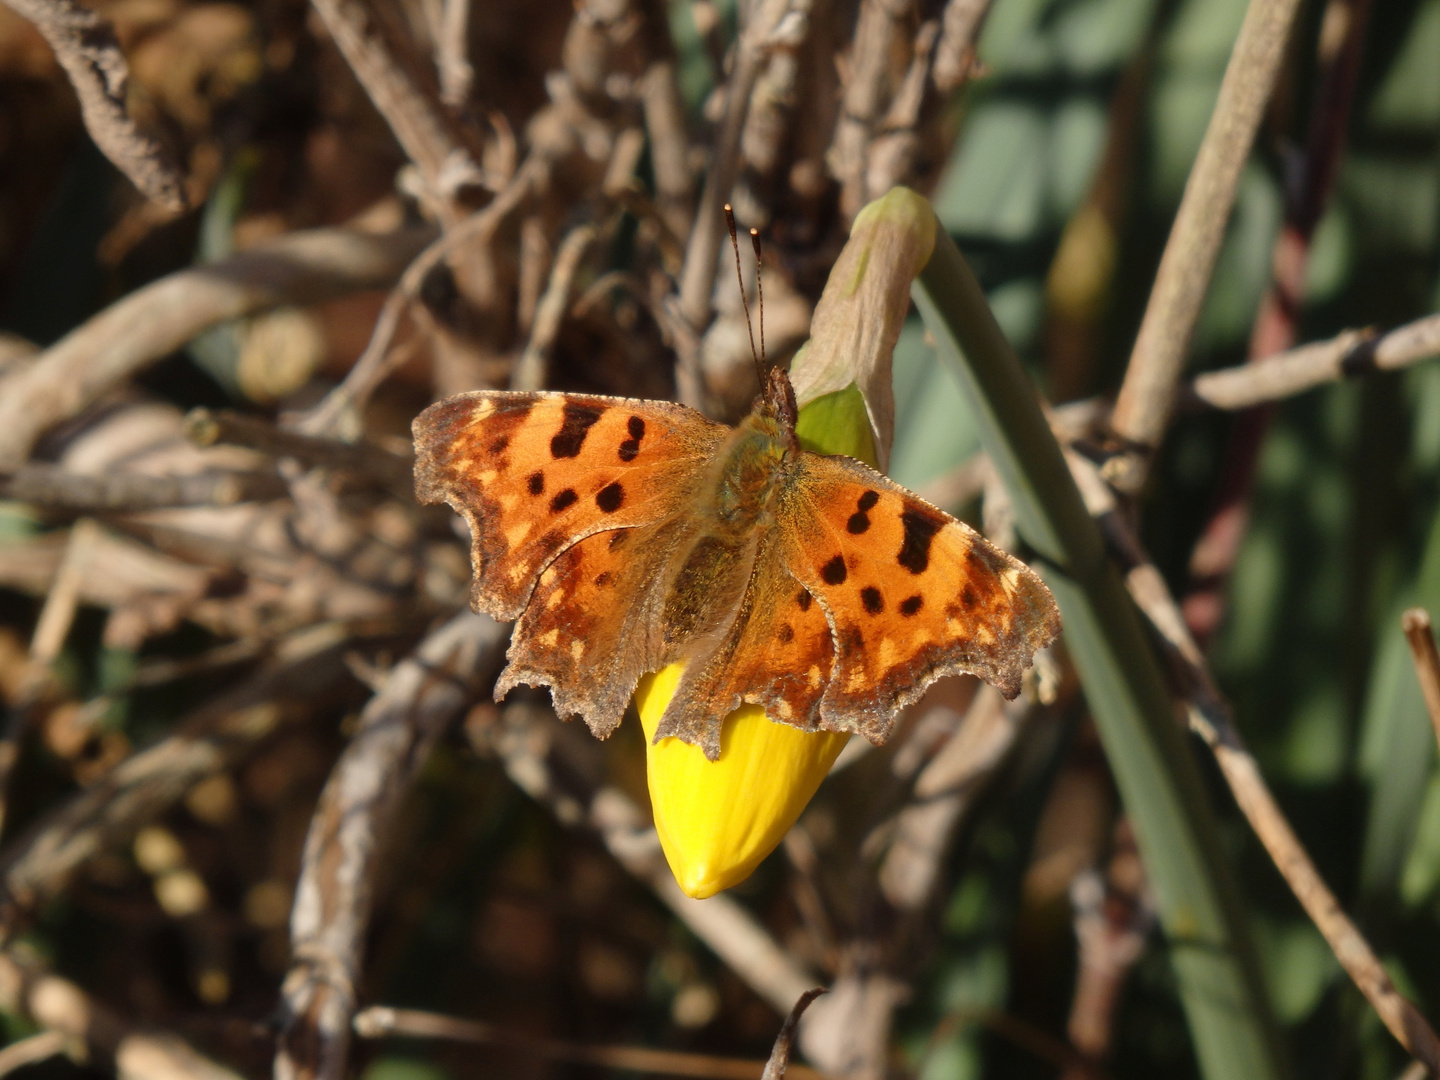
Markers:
point(1349, 355)
point(84, 44)
point(335, 893)
point(1416, 624)
point(121, 493)
point(697, 279)
point(149, 323)
point(533, 370)
point(426, 132)
point(1147, 396)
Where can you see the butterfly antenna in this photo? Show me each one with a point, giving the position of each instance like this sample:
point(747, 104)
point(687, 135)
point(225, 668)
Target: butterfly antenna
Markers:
point(735, 246)
point(759, 293)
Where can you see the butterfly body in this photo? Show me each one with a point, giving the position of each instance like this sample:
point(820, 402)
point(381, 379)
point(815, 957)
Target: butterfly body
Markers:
point(627, 535)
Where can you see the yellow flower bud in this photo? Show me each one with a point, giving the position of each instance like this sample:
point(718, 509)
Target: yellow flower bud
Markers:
point(718, 819)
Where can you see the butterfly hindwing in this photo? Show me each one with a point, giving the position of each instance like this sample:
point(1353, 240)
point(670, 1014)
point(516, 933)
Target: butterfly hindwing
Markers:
point(911, 593)
point(534, 473)
point(592, 628)
point(778, 654)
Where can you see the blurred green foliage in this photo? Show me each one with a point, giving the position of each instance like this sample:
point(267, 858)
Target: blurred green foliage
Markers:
point(1344, 531)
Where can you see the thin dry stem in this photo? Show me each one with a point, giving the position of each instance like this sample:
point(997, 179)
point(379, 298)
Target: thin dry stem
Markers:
point(881, 26)
point(120, 493)
point(533, 370)
point(457, 74)
point(1349, 355)
point(1416, 624)
point(1147, 396)
point(379, 1021)
point(85, 45)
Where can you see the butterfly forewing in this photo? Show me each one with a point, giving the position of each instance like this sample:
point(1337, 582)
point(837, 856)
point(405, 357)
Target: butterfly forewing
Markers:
point(534, 473)
point(911, 594)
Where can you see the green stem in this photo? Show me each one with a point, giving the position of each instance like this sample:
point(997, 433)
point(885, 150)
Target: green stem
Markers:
point(1215, 965)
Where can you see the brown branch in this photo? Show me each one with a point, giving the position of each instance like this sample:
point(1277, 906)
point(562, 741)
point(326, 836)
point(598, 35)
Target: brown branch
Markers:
point(86, 1028)
point(152, 322)
point(1416, 624)
point(1210, 719)
point(452, 60)
point(335, 892)
point(779, 1061)
point(669, 147)
point(121, 493)
point(426, 132)
point(944, 790)
point(85, 45)
point(955, 52)
point(697, 278)
point(1147, 396)
point(1114, 915)
point(533, 370)
point(1349, 355)
point(392, 471)
point(882, 28)
point(379, 1021)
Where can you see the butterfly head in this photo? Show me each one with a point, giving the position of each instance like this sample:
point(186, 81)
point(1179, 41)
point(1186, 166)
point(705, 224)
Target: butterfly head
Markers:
point(778, 398)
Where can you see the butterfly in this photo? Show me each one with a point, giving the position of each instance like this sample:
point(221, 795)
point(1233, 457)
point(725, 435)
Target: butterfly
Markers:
point(624, 535)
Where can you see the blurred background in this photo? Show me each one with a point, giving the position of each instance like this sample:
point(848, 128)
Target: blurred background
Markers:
point(1055, 154)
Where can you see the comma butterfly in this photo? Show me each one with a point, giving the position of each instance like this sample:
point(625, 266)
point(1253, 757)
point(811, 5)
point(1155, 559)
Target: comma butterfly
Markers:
point(627, 535)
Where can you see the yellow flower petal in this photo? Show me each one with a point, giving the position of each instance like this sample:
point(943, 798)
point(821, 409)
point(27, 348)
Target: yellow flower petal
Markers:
point(718, 819)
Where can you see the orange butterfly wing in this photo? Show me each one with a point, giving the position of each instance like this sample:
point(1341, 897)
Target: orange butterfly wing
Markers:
point(911, 593)
point(533, 474)
point(574, 503)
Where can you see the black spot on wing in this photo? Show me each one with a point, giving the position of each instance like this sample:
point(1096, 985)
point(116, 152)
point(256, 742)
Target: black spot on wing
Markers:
point(833, 572)
point(920, 527)
point(500, 445)
point(602, 579)
point(631, 446)
point(967, 597)
point(610, 497)
point(536, 483)
point(804, 600)
point(911, 604)
point(873, 601)
point(578, 419)
point(860, 520)
point(786, 633)
point(563, 500)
